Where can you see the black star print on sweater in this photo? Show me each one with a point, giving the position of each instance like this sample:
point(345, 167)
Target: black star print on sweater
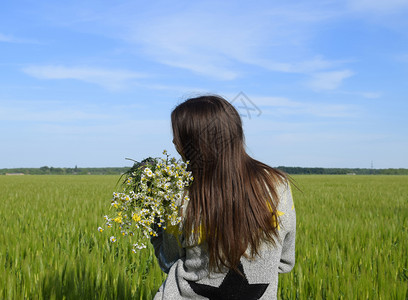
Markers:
point(233, 287)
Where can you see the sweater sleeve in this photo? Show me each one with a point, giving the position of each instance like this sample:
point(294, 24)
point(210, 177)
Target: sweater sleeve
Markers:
point(288, 220)
point(167, 247)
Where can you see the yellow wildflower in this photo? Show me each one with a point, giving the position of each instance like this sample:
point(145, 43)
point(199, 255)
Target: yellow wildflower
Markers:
point(136, 217)
point(118, 219)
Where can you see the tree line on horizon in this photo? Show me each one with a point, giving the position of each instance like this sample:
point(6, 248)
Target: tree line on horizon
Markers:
point(64, 171)
point(342, 171)
point(120, 170)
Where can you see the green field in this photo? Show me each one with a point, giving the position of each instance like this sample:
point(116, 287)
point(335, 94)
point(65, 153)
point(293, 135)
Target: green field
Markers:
point(352, 241)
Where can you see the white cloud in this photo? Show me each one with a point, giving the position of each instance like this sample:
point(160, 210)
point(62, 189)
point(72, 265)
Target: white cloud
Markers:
point(223, 46)
point(188, 91)
point(12, 39)
point(110, 79)
point(280, 106)
point(317, 63)
point(216, 39)
point(328, 80)
point(371, 95)
point(205, 47)
point(27, 112)
point(217, 44)
point(5, 38)
point(367, 95)
point(115, 131)
point(198, 65)
point(274, 102)
point(402, 58)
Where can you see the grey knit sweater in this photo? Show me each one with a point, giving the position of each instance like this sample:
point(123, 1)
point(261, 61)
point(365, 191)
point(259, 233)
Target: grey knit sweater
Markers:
point(187, 267)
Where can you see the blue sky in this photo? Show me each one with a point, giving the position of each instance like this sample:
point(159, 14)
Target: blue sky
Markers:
point(90, 83)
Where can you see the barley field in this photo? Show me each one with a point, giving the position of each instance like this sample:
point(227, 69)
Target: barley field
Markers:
point(352, 234)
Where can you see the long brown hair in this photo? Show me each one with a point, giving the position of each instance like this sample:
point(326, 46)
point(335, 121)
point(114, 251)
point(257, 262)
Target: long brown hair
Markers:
point(233, 197)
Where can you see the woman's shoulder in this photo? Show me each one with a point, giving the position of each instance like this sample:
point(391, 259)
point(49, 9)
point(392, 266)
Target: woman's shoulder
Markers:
point(284, 192)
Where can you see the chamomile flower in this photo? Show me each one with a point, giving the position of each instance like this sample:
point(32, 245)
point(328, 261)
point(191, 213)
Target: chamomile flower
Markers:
point(152, 194)
point(180, 184)
point(138, 246)
point(148, 172)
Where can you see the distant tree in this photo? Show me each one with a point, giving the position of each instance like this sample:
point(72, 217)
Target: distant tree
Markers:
point(45, 170)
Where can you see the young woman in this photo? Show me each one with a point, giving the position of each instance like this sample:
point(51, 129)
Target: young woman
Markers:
point(238, 229)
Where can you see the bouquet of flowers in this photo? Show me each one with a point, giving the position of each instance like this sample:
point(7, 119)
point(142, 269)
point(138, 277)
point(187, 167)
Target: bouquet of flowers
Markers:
point(153, 192)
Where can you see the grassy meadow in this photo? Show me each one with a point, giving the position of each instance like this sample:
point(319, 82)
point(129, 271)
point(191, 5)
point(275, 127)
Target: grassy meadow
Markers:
point(352, 241)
